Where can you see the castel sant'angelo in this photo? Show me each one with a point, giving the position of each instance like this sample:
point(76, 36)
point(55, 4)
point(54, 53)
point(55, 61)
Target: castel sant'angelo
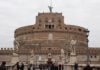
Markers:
point(50, 39)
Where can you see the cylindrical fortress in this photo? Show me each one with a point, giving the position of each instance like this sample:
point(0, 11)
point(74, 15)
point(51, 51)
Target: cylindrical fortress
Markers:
point(51, 32)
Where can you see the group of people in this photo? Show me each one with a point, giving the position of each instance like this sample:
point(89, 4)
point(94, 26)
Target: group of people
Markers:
point(45, 67)
point(31, 67)
point(87, 67)
point(50, 67)
point(3, 66)
point(19, 66)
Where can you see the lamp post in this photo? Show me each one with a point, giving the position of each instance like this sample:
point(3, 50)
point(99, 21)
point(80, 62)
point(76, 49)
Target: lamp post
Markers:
point(88, 53)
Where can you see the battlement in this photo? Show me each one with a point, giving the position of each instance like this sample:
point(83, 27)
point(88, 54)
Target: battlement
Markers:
point(48, 14)
point(6, 49)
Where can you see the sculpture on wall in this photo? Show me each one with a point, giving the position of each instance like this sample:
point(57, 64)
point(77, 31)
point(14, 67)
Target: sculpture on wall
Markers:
point(31, 57)
point(72, 46)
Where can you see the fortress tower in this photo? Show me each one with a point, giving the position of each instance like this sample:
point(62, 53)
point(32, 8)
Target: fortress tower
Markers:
point(51, 31)
point(50, 38)
point(50, 34)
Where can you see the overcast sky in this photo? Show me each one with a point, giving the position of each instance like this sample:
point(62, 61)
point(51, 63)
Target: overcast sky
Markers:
point(18, 13)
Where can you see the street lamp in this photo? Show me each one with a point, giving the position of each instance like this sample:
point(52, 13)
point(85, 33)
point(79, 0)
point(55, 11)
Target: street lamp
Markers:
point(88, 53)
point(87, 34)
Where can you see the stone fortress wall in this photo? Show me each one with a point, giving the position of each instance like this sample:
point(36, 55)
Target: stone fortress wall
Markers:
point(49, 35)
point(59, 31)
point(6, 54)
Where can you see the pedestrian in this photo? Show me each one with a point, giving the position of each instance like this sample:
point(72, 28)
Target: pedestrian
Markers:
point(75, 66)
point(31, 67)
point(52, 67)
point(59, 67)
point(55, 67)
point(3, 66)
point(22, 66)
point(17, 65)
point(88, 67)
point(40, 66)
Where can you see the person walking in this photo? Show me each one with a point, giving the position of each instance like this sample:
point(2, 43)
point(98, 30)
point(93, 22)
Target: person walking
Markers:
point(17, 66)
point(22, 66)
point(3, 66)
point(87, 67)
point(75, 66)
point(31, 67)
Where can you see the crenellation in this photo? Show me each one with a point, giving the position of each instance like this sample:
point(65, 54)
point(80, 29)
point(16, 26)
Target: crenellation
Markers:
point(6, 49)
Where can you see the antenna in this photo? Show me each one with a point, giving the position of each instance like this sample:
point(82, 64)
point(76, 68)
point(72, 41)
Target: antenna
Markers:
point(50, 7)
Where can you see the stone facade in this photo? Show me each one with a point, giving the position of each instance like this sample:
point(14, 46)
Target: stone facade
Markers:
point(45, 39)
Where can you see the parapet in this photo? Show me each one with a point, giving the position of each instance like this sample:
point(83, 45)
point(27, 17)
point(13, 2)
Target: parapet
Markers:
point(6, 50)
point(9, 49)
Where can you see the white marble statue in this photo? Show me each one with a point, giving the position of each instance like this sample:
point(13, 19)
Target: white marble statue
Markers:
point(72, 44)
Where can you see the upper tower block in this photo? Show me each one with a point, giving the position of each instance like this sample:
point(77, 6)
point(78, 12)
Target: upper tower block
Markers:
point(49, 21)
